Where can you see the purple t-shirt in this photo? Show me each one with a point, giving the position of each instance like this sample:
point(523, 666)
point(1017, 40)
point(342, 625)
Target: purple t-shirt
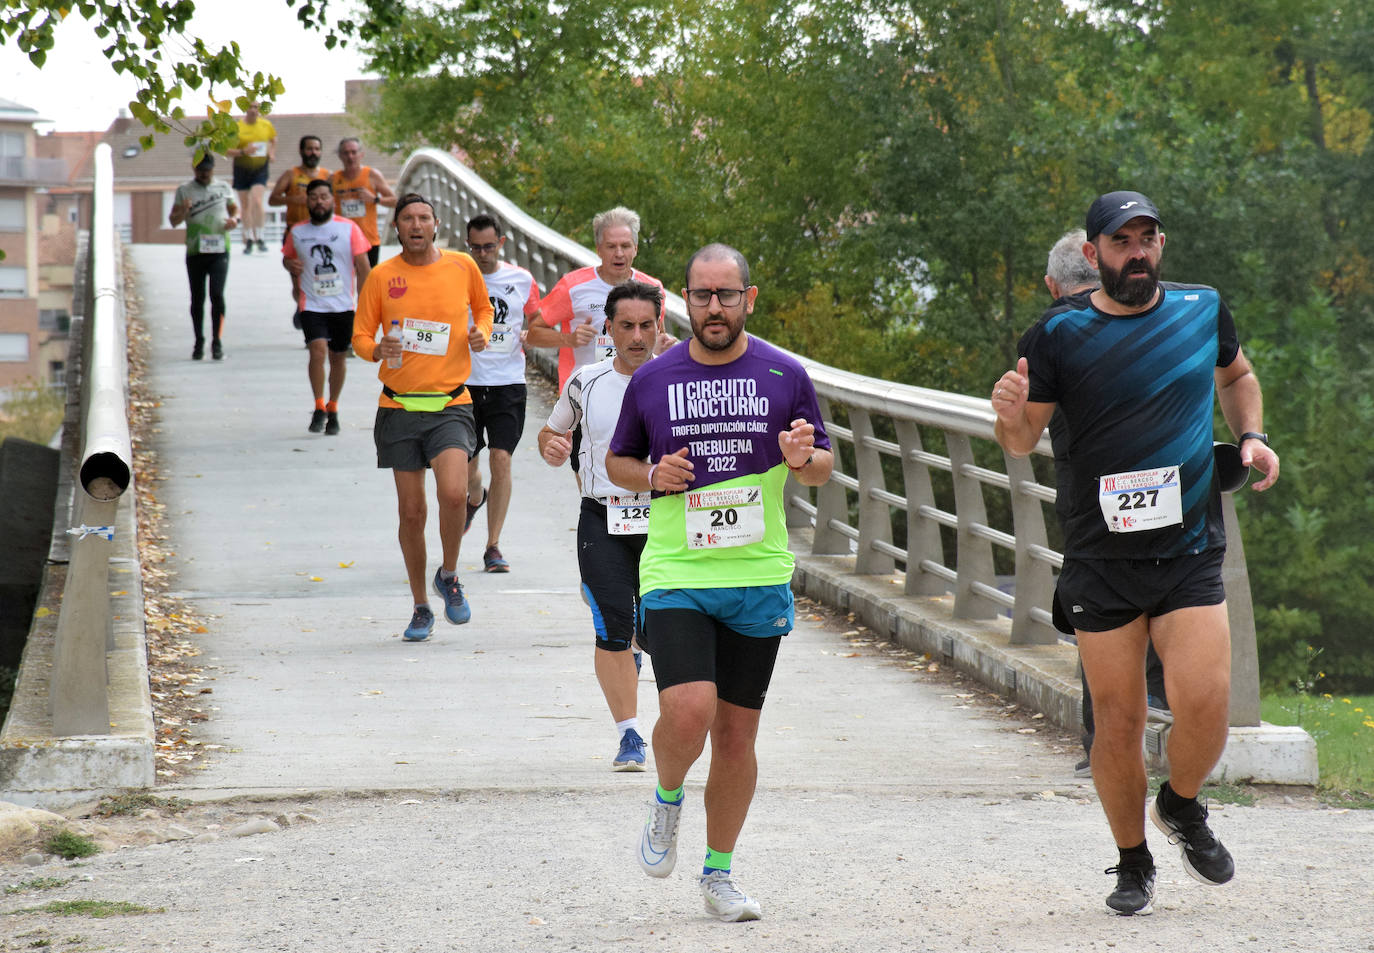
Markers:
point(728, 416)
point(729, 529)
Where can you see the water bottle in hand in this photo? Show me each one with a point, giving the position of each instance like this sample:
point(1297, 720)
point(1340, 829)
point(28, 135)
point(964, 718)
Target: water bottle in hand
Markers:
point(395, 335)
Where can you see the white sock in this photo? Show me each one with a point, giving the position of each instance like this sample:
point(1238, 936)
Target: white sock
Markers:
point(626, 725)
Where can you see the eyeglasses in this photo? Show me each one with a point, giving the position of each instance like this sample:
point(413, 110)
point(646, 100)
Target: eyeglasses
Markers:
point(484, 249)
point(728, 297)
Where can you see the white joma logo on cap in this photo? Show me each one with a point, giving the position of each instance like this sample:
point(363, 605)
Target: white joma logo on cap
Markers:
point(1130, 203)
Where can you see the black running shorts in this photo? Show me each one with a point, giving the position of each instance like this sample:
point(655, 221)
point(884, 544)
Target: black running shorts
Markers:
point(1097, 595)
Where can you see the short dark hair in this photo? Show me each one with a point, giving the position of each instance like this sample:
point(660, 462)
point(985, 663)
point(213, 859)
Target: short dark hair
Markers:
point(716, 251)
point(634, 291)
point(206, 161)
point(306, 138)
point(410, 198)
point(483, 221)
point(318, 184)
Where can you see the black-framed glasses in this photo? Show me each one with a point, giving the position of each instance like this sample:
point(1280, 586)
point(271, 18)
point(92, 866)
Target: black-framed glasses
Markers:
point(728, 297)
point(484, 249)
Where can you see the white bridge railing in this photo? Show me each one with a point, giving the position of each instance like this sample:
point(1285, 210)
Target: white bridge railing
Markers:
point(931, 440)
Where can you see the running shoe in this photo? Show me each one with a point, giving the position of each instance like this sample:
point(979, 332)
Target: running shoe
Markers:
point(725, 901)
point(1135, 891)
point(421, 625)
point(1205, 859)
point(658, 842)
point(331, 424)
point(631, 754)
point(456, 608)
point(1083, 769)
point(493, 561)
point(248, 246)
point(316, 421)
point(262, 245)
point(472, 510)
point(217, 350)
point(198, 352)
point(1157, 712)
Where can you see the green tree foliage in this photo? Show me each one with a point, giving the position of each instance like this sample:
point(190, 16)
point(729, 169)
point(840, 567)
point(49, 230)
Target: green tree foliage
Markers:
point(148, 41)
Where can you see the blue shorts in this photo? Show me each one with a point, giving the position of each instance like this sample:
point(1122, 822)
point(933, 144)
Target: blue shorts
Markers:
point(757, 611)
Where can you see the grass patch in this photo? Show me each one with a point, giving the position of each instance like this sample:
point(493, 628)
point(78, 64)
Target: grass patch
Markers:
point(100, 909)
point(123, 805)
point(1343, 726)
point(32, 412)
point(70, 845)
point(38, 883)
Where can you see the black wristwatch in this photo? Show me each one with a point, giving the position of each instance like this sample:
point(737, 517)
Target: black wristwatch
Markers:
point(1250, 434)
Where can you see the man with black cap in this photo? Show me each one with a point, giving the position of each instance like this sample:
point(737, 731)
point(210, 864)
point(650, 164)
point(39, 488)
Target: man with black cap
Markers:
point(1134, 368)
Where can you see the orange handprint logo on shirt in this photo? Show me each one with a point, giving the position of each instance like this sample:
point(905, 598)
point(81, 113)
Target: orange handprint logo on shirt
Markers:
point(396, 287)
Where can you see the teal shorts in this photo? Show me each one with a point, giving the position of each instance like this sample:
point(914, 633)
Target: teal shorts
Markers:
point(757, 611)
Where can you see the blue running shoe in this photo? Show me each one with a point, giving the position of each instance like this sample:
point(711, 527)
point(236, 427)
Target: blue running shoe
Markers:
point(631, 754)
point(421, 625)
point(456, 608)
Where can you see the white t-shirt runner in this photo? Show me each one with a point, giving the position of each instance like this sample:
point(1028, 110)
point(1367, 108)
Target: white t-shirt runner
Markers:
point(514, 296)
point(326, 253)
point(592, 401)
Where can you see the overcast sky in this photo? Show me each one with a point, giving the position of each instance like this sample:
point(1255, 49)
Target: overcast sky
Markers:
point(78, 90)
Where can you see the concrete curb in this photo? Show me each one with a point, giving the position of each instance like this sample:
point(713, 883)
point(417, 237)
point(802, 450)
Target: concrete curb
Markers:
point(40, 769)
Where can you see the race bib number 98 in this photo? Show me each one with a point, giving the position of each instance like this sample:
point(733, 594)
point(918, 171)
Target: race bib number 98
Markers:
point(424, 337)
point(1141, 499)
point(723, 517)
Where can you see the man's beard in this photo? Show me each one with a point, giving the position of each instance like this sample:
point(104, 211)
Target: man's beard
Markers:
point(319, 217)
point(1128, 287)
point(310, 161)
point(717, 344)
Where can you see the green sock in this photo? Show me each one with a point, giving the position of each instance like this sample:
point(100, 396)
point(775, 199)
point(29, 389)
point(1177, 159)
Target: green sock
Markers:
point(716, 860)
point(670, 797)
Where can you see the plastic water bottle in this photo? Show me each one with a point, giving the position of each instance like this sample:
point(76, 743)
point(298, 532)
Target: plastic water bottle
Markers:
point(395, 335)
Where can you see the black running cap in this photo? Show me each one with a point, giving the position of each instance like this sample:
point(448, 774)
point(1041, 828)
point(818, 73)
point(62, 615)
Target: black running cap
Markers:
point(1109, 212)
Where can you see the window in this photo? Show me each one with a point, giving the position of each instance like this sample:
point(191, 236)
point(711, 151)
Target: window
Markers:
point(12, 215)
point(13, 282)
point(54, 319)
point(14, 347)
point(57, 374)
point(11, 145)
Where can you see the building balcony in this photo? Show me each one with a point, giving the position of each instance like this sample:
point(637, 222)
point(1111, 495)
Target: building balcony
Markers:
point(28, 171)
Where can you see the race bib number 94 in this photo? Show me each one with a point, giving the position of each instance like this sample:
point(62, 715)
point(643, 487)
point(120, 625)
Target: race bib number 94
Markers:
point(1141, 499)
point(723, 517)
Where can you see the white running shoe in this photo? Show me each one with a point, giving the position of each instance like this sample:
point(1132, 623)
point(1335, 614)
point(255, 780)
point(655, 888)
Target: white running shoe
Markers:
point(658, 842)
point(725, 901)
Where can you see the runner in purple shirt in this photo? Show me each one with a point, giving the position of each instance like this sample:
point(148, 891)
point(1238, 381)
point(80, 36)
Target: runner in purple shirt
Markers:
point(713, 427)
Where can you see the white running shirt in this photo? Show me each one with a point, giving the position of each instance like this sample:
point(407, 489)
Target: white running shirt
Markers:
point(591, 400)
point(514, 297)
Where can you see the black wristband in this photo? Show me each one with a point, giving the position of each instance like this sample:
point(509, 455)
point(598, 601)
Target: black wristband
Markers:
point(1250, 434)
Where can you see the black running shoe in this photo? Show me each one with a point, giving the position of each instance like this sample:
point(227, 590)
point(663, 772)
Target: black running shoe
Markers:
point(1134, 895)
point(198, 352)
point(217, 350)
point(317, 419)
point(1203, 856)
point(331, 425)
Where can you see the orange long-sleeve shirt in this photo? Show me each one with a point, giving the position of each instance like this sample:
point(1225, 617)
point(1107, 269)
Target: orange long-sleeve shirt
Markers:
point(430, 301)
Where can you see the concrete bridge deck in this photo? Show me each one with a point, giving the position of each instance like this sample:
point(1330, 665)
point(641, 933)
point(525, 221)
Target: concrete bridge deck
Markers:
point(462, 787)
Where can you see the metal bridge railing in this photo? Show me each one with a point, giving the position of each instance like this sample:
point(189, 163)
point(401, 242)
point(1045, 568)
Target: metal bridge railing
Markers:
point(78, 696)
point(854, 512)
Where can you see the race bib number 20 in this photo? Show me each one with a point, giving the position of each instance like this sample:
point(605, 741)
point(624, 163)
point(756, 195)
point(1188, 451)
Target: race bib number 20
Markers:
point(723, 517)
point(1141, 499)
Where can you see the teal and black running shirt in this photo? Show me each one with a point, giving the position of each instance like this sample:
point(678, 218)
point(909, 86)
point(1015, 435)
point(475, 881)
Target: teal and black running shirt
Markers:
point(1133, 393)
